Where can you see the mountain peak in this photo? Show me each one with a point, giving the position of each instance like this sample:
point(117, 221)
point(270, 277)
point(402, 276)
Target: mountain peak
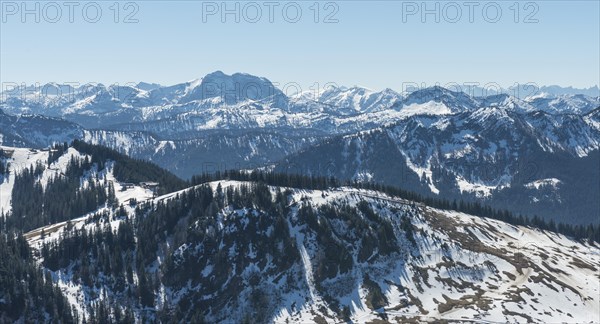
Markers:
point(217, 73)
point(436, 91)
point(147, 86)
point(453, 100)
point(235, 88)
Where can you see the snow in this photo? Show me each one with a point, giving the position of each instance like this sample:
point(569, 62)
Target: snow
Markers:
point(123, 194)
point(207, 270)
point(308, 272)
point(480, 189)
point(420, 171)
point(551, 182)
point(446, 269)
point(430, 108)
point(191, 85)
point(541, 95)
point(59, 167)
point(80, 105)
point(22, 158)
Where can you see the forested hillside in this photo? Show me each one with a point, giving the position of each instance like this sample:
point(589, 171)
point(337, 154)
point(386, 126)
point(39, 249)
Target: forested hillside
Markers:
point(590, 231)
point(27, 292)
point(249, 252)
point(261, 246)
point(69, 181)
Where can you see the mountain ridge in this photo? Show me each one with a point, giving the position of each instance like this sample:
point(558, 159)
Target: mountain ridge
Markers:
point(270, 247)
point(443, 141)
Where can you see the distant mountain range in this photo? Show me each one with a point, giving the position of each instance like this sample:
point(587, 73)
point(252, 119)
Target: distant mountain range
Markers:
point(242, 101)
point(509, 151)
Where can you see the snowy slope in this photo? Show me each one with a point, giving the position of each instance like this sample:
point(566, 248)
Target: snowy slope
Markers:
point(452, 266)
point(124, 194)
point(21, 158)
point(561, 104)
point(490, 271)
point(488, 153)
point(244, 101)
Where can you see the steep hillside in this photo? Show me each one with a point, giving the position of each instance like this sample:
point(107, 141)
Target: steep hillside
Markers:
point(533, 163)
point(42, 187)
point(186, 156)
point(36, 131)
point(213, 151)
point(26, 294)
point(247, 252)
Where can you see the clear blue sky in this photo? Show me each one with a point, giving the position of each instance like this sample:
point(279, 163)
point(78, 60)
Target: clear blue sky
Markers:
point(376, 44)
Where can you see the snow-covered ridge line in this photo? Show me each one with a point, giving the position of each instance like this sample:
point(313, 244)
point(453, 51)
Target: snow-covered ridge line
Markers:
point(249, 100)
point(458, 267)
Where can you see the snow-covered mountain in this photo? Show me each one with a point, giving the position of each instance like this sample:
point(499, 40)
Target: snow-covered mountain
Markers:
point(185, 157)
point(445, 142)
point(118, 248)
point(569, 103)
point(491, 154)
point(336, 255)
point(243, 101)
point(346, 101)
point(529, 89)
point(36, 130)
point(439, 100)
point(212, 152)
point(559, 91)
point(232, 89)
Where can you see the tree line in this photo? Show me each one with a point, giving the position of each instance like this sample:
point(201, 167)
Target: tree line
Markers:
point(132, 170)
point(590, 232)
point(63, 197)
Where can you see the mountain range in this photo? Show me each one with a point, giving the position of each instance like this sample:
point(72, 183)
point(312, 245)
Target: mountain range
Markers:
point(534, 155)
point(98, 242)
